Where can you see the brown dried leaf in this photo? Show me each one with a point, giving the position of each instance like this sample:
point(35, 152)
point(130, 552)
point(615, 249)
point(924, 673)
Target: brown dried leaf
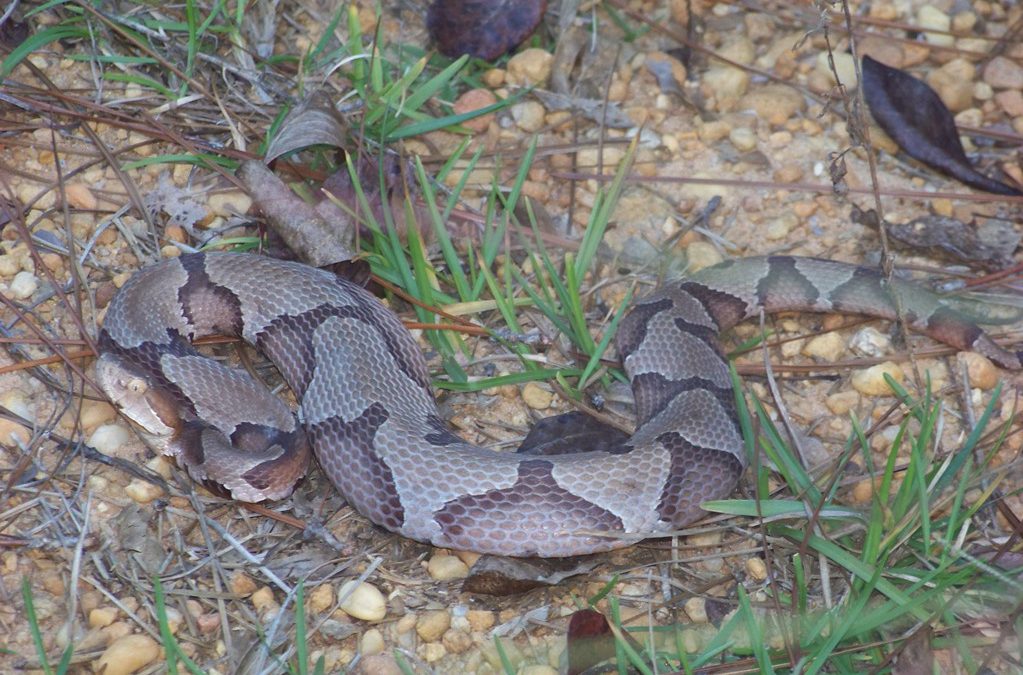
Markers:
point(318, 241)
point(312, 122)
point(485, 29)
point(915, 117)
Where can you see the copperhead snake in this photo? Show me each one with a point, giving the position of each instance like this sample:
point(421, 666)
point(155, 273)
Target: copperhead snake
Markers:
point(367, 410)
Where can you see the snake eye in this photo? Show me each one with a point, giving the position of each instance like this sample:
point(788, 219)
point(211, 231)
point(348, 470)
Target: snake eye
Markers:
point(137, 385)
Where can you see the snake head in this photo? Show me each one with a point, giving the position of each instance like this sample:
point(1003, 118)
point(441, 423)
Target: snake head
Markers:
point(150, 409)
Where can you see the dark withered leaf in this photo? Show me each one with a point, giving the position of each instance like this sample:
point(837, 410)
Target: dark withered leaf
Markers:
point(485, 29)
point(914, 116)
point(989, 244)
point(590, 640)
point(566, 433)
point(13, 33)
point(916, 657)
point(312, 122)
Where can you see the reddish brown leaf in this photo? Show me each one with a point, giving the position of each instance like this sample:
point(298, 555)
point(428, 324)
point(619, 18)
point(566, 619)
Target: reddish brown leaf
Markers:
point(485, 29)
point(914, 116)
point(590, 640)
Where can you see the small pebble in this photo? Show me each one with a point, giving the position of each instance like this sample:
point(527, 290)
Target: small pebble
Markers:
point(474, 99)
point(870, 342)
point(954, 83)
point(726, 84)
point(226, 204)
point(242, 584)
point(379, 664)
point(696, 608)
point(780, 227)
point(1011, 101)
point(536, 397)
point(371, 642)
point(775, 103)
point(24, 285)
point(446, 568)
point(979, 370)
point(127, 654)
point(365, 602)
point(530, 67)
point(456, 641)
point(321, 598)
point(871, 381)
point(529, 116)
point(756, 568)
point(789, 173)
point(826, 347)
point(433, 652)
point(930, 17)
point(701, 254)
point(844, 66)
point(1003, 73)
point(537, 669)
point(142, 492)
point(743, 138)
point(430, 626)
point(95, 413)
point(262, 599)
point(80, 197)
point(108, 438)
point(841, 402)
point(101, 617)
point(480, 619)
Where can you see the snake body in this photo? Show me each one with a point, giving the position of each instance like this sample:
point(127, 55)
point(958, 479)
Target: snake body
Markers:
point(367, 410)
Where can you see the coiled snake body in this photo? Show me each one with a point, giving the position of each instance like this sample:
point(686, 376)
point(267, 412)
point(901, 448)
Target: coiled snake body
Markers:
point(367, 410)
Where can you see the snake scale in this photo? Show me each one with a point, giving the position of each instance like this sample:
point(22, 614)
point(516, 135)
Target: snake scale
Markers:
point(367, 410)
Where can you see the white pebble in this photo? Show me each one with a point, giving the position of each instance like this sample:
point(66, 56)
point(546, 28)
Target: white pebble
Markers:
point(24, 285)
point(870, 342)
point(933, 18)
point(109, 437)
point(743, 138)
point(365, 602)
point(372, 642)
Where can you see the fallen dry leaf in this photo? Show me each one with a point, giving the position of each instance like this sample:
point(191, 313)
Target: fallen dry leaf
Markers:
point(485, 29)
point(914, 116)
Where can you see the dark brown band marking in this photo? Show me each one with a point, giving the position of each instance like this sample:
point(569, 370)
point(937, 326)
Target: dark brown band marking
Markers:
point(371, 487)
point(695, 477)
